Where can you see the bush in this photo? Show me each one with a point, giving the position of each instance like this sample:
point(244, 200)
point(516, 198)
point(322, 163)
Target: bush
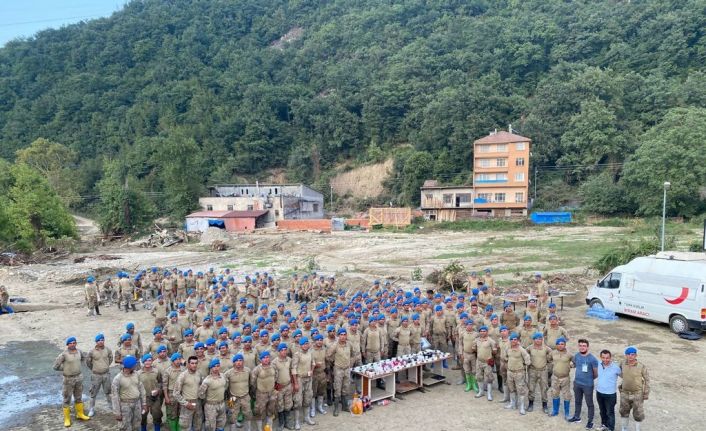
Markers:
point(628, 251)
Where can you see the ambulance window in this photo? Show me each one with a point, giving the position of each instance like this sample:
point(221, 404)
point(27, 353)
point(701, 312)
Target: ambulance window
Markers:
point(614, 282)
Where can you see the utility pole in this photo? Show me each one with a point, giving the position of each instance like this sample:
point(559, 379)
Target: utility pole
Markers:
point(331, 198)
point(535, 183)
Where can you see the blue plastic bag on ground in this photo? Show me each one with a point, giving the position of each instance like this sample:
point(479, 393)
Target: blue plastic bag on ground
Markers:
point(598, 312)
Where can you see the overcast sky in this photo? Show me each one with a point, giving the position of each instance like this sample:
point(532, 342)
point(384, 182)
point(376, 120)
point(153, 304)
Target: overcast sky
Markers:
point(26, 17)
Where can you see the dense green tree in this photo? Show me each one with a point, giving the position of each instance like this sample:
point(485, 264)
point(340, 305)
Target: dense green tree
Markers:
point(259, 85)
point(123, 208)
point(672, 151)
point(57, 164)
point(35, 210)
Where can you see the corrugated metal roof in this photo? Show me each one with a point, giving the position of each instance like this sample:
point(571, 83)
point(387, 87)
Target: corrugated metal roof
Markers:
point(246, 214)
point(211, 214)
point(228, 214)
point(502, 137)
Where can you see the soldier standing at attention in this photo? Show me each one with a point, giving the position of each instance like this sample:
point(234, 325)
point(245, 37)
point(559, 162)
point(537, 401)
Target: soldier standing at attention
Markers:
point(488, 280)
point(517, 360)
point(467, 355)
point(69, 363)
point(541, 288)
point(212, 391)
point(437, 330)
point(302, 371)
point(186, 393)
point(371, 342)
point(169, 378)
point(92, 299)
point(126, 349)
point(509, 317)
point(98, 361)
point(318, 354)
point(127, 290)
point(403, 337)
point(262, 379)
point(151, 380)
point(484, 348)
point(238, 379)
point(283, 384)
point(160, 311)
point(130, 401)
point(540, 354)
point(561, 379)
point(341, 354)
point(634, 390)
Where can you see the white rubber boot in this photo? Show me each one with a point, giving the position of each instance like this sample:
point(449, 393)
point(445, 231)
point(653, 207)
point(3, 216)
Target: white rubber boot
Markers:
point(92, 408)
point(512, 404)
point(490, 392)
point(625, 422)
point(522, 406)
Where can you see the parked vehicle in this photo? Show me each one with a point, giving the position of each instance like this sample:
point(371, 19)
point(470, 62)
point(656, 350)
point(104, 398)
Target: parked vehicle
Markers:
point(667, 287)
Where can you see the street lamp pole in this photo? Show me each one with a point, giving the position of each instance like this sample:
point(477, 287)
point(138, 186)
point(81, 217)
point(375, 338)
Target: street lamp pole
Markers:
point(667, 184)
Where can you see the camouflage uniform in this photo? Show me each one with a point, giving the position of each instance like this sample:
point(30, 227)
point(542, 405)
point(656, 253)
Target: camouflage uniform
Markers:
point(129, 400)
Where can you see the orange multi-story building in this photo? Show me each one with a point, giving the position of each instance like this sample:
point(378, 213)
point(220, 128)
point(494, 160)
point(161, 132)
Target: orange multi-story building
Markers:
point(501, 174)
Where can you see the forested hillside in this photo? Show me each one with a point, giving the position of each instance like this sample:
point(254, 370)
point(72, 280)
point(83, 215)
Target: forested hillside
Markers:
point(168, 95)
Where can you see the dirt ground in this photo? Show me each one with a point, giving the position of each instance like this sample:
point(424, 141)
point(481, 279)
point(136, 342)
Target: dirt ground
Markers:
point(675, 364)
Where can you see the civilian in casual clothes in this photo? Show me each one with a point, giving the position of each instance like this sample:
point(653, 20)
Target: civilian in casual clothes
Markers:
point(586, 372)
point(608, 372)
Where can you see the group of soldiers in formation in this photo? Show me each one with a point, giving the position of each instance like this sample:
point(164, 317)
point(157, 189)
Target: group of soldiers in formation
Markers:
point(223, 356)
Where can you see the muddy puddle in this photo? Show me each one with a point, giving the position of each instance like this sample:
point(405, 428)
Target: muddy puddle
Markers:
point(27, 381)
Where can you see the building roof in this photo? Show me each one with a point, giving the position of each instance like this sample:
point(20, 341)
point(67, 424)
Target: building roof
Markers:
point(446, 187)
point(228, 214)
point(502, 137)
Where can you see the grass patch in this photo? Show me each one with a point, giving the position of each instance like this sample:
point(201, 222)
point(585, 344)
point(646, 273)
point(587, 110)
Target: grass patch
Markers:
point(480, 225)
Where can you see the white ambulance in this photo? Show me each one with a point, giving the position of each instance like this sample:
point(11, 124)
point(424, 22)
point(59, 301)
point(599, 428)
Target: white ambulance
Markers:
point(667, 287)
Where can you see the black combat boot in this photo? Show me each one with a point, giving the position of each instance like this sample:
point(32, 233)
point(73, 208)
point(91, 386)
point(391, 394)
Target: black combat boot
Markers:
point(98, 312)
point(545, 409)
point(530, 405)
point(133, 307)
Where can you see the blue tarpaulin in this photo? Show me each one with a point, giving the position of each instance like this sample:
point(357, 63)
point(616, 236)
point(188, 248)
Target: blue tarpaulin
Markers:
point(216, 223)
point(550, 217)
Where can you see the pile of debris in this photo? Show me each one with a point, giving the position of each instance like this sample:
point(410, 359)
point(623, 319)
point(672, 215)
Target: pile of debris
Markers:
point(13, 259)
point(162, 238)
point(214, 234)
point(82, 259)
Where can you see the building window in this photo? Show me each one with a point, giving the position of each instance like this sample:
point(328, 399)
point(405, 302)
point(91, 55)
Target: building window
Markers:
point(447, 199)
point(428, 196)
point(520, 161)
point(464, 198)
point(483, 177)
point(209, 207)
point(316, 208)
point(520, 146)
point(485, 196)
point(230, 207)
point(484, 163)
point(250, 208)
point(501, 148)
point(519, 197)
point(519, 176)
point(276, 213)
point(499, 197)
point(501, 177)
point(501, 163)
point(483, 148)
point(275, 190)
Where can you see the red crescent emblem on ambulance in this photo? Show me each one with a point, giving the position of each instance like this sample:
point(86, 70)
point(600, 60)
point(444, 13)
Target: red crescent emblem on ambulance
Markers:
point(678, 300)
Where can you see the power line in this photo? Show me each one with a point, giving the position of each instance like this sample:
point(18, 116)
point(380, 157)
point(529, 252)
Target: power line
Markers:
point(41, 21)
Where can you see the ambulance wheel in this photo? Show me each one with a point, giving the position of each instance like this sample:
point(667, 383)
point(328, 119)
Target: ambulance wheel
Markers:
point(678, 324)
point(595, 301)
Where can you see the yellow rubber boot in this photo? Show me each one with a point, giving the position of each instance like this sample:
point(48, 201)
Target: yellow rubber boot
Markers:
point(79, 412)
point(67, 416)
